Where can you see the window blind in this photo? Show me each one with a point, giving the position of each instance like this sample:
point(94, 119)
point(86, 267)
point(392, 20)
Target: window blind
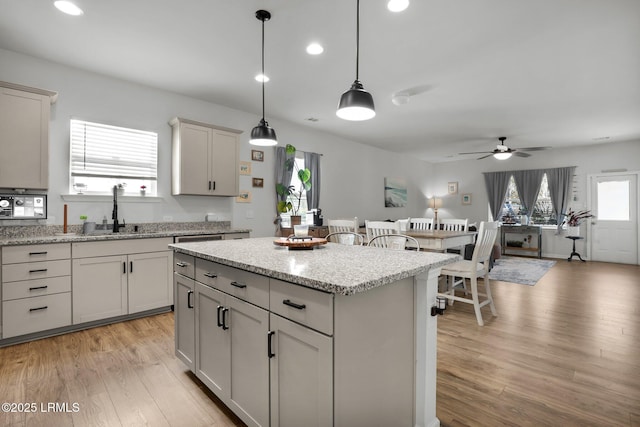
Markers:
point(99, 150)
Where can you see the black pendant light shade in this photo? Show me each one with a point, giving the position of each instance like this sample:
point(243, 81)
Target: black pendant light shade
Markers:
point(262, 134)
point(356, 104)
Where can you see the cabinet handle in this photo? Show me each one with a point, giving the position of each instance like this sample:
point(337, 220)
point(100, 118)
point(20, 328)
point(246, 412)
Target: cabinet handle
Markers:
point(270, 352)
point(214, 185)
point(36, 288)
point(124, 267)
point(294, 305)
point(189, 303)
point(130, 266)
point(224, 318)
point(38, 253)
point(210, 275)
point(181, 264)
point(238, 285)
point(209, 185)
point(38, 308)
point(41, 270)
point(218, 316)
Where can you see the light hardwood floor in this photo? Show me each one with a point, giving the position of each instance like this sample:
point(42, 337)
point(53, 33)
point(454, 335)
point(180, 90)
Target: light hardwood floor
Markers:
point(565, 352)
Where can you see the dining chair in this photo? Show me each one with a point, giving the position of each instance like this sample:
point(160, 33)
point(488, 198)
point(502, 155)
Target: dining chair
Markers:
point(338, 225)
point(404, 224)
point(450, 224)
point(377, 228)
point(346, 238)
point(421, 224)
point(397, 242)
point(472, 269)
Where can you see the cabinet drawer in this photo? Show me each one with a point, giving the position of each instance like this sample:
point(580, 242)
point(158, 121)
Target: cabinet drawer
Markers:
point(35, 287)
point(31, 253)
point(306, 306)
point(35, 270)
point(28, 315)
point(245, 285)
point(184, 264)
point(207, 272)
point(119, 247)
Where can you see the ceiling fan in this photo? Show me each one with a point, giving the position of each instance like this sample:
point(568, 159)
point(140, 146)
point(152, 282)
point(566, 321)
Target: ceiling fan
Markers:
point(502, 152)
point(404, 96)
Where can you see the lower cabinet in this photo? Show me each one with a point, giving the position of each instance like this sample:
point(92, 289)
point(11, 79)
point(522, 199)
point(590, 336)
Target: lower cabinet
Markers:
point(185, 319)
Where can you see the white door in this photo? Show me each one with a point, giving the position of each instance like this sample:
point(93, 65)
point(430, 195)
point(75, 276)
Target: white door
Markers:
point(614, 230)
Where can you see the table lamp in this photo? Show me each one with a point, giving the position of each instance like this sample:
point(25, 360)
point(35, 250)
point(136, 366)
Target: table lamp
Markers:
point(435, 204)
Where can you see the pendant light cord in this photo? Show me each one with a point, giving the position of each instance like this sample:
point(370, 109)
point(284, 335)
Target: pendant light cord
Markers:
point(357, 38)
point(263, 76)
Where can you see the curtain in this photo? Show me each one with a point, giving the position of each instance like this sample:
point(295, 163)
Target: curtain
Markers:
point(283, 176)
point(496, 183)
point(560, 180)
point(528, 184)
point(312, 162)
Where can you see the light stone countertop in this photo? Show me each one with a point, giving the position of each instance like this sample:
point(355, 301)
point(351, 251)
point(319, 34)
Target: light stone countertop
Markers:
point(334, 268)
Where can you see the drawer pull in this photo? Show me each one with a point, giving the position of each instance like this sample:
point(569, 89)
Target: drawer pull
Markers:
point(270, 352)
point(37, 288)
point(38, 253)
point(124, 268)
point(218, 316)
point(238, 285)
point(181, 264)
point(210, 275)
point(40, 270)
point(294, 305)
point(224, 318)
point(38, 308)
point(130, 266)
point(189, 303)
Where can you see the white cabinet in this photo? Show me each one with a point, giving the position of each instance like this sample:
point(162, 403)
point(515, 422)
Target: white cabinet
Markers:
point(204, 159)
point(118, 277)
point(24, 137)
point(184, 306)
point(36, 288)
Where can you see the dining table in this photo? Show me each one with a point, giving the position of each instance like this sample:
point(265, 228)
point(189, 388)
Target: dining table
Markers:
point(441, 240)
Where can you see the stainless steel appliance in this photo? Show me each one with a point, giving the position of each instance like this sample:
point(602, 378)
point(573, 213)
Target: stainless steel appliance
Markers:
point(198, 238)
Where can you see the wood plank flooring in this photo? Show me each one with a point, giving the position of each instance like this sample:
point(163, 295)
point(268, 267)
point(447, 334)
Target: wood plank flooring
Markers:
point(565, 352)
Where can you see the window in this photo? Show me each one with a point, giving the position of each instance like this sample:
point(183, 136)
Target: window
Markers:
point(542, 211)
point(295, 181)
point(104, 156)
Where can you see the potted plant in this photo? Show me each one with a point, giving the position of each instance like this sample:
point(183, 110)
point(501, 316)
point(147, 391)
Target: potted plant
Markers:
point(573, 219)
point(143, 190)
point(293, 192)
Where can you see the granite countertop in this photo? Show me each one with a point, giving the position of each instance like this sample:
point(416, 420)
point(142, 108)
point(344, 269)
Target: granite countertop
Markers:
point(334, 268)
point(166, 230)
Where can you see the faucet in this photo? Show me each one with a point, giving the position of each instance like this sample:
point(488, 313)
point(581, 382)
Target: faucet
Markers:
point(114, 214)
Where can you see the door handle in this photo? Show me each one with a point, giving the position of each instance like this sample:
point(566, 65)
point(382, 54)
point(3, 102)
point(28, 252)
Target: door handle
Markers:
point(219, 322)
point(270, 352)
point(189, 303)
point(224, 318)
point(130, 266)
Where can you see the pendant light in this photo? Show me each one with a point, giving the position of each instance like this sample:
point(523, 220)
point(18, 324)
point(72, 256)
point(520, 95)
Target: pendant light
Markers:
point(262, 134)
point(356, 104)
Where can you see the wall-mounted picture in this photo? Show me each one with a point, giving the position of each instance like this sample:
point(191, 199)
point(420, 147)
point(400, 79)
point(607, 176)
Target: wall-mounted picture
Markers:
point(466, 199)
point(244, 197)
point(452, 188)
point(395, 192)
point(245, 168)
point(257, 155)
point(258, 182)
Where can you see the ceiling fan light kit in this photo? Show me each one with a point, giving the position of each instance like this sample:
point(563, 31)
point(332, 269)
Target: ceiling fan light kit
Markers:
point(356, 104)
point(400, 99)
point(263, 135)
point(503, 155)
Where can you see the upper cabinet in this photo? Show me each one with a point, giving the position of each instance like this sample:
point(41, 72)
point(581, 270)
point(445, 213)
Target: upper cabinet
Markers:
point(204, 159)
point(24, 136)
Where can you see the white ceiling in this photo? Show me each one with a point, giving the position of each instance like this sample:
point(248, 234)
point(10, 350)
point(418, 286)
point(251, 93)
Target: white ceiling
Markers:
point(553, 73)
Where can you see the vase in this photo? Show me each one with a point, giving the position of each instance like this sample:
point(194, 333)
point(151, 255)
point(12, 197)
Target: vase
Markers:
point(143, 192)
point(296, 220)
point(573, 231)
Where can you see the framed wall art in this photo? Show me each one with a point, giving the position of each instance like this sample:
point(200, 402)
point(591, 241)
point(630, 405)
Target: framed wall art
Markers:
point(257, 155)
point(452, 188)
point(466, 199)
point(245, 168)
point(244, 197)
point(257, 182)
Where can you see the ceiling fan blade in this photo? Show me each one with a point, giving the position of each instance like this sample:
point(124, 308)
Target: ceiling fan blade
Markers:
point(520, 154)
point(478, 152)
point(534, 148)
point(484, 157)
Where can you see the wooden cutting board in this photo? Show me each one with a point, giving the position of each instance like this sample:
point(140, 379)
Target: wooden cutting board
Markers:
point(300, 244)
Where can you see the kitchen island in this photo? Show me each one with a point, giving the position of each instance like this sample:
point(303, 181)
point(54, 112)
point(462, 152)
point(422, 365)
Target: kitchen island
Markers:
point(338, 335)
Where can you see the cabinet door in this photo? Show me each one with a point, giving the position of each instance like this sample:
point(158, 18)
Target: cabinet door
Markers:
point(150, 281)
point(249, 393)
point(195, 152)
point(212, 341)
point(301, 375)
point(24, 139)
point(224, 164)
point(99, 288)
point(185, 320)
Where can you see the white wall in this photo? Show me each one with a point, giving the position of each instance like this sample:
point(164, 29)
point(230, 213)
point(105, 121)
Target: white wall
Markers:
point(352, 174)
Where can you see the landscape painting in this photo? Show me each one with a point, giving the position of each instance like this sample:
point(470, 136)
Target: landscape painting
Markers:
point(395, 192)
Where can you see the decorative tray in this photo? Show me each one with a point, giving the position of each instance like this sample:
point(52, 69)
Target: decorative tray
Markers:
point(299, 243)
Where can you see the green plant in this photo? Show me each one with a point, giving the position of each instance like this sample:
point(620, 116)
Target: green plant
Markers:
point(293, 192)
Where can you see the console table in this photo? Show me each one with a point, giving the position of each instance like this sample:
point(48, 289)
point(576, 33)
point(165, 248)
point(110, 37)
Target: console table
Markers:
point(533, 230)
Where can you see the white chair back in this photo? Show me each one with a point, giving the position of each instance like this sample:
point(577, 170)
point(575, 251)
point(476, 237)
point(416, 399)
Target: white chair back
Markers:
point(346, 238)
point(454, 224)
point(396, 242)
point(404, 224)
point(380, 228)
point(420, 223)
point(340, 225)
point(484, 244)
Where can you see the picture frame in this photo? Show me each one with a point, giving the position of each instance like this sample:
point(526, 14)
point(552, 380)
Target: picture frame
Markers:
point(452, 187)
point(466, 199)
point(244, 168)
point(243, 197)
point(257, 182)
point(257, 155)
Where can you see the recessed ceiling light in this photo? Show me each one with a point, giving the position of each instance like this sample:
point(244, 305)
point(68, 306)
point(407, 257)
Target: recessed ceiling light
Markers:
point(315, 49)
point(262, 78)
point(397, 5)
point(68, 7)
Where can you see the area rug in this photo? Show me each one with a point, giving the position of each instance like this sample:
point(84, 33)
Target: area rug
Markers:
point(520, 270)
